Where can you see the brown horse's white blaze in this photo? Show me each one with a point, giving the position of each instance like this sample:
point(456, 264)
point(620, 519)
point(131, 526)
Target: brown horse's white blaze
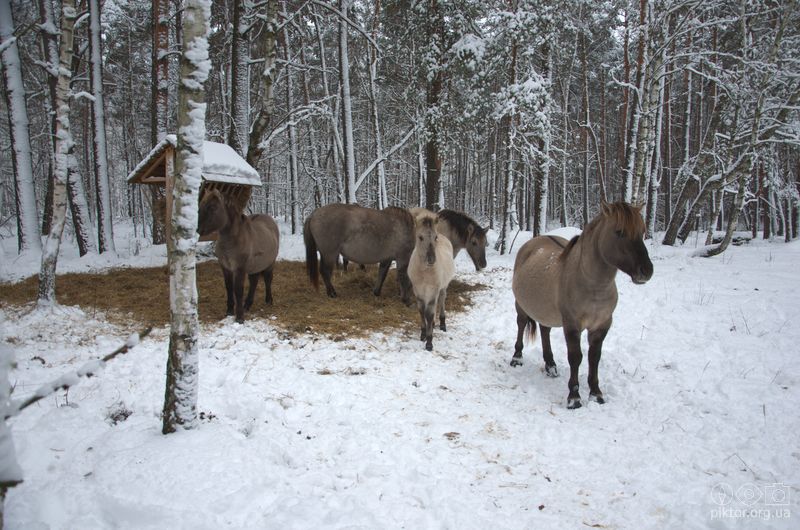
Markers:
point(247, 245)
point(430, 269)
point(462, 232)
point(362, 235)
point(572, 285)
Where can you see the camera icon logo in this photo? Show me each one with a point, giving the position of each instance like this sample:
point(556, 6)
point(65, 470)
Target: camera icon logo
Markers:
point(776, 495)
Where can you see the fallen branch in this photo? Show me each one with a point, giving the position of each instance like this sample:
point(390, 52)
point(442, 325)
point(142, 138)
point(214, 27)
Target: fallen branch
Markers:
point(66, 381)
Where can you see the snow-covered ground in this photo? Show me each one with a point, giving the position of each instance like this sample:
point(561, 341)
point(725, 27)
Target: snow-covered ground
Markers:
point(701, 374)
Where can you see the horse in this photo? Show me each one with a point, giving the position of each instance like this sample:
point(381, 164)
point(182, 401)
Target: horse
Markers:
point(247, 244)
point(430, 269)
point(572, 285)
point(462, 231)
point(362, 235)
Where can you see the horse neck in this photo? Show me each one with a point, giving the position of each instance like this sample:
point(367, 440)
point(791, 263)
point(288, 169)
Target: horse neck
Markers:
point(589, 263)
point(233, 222)
point(452, 234)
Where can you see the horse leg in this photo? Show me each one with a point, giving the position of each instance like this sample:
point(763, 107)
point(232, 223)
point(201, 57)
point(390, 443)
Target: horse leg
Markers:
point(422, 327)
point(383, 270)
point(405, 282)
point(575, 356)
point(440, 305)
point(430, 315)
point(550, 367)
point(326, 268)
point(267, 273)
point(251, 291)
point(522, 322)
point(238, 293)
point(228, 276)
point(595, 349)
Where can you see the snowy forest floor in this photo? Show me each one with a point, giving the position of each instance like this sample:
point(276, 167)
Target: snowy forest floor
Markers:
point(700, 372)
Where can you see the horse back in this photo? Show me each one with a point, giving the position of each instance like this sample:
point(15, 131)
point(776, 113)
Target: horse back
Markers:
point(536, 280)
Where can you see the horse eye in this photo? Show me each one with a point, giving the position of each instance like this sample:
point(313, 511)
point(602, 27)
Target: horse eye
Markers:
point(619, 233)
point(420, 238)
point(436, 238)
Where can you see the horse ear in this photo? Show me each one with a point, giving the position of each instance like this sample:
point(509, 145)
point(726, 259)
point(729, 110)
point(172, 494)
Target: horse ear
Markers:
point(470, 230)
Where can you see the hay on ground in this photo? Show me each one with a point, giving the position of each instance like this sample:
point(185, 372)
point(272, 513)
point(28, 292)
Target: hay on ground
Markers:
point(141, 296)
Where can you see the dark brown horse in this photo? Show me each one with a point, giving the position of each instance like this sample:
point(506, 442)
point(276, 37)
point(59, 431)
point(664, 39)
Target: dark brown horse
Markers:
point(247, 245)
point(362, 235)
point(571, 285)
point(462, 231)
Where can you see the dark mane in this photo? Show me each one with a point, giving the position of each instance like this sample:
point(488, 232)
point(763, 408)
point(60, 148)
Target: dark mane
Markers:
point(402, 215)
point(460, 223)
point(569, 247)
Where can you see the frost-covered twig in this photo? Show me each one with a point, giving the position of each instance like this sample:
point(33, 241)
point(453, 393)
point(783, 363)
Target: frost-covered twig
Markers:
point(71, 379)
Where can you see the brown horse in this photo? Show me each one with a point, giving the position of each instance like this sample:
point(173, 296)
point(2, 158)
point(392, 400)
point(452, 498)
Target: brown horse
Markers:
point(571, 285)
point(462, 231)
point(431, 268)
point(247, 244)
point(362, 235)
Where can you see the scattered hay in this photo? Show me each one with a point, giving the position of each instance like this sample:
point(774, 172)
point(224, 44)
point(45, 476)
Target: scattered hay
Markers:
point(142, 296)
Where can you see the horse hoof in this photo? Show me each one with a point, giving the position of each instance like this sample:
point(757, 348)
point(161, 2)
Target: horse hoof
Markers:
point(240, 320)
point(597, 398)
point(551, 371)
point(443, 327)
point(332, 294)
point(574, 403)
point(429, 346)
point(516, 362)
point(268, 301)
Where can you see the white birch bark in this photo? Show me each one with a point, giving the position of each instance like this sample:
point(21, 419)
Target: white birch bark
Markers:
point(63, 145)
point(28, 232)
point(180, 402)
point(105, 233)
point(293, 170)
point(383, 200)
point(347, 107)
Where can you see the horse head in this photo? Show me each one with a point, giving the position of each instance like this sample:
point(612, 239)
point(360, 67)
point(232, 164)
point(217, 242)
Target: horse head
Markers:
point(212, 214)
point(476, 244)
point(427, 238)
point(621, 240)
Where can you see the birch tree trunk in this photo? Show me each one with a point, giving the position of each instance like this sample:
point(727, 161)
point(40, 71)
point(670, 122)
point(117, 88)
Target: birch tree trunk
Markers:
point(28, 234)
point(347, 107)
point(383, 200)
point(542, 171)
point(180, 400)
point(47, 276)
point(290, 129)
point(105, 232)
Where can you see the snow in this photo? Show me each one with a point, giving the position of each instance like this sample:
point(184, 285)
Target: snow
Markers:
point(700, 372)
point(221, 163)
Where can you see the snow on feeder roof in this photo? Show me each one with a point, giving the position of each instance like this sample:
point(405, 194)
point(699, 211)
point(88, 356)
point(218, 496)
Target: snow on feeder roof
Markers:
point(220, 164)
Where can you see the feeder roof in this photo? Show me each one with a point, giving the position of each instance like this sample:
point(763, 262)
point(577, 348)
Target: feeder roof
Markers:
point(220, 164)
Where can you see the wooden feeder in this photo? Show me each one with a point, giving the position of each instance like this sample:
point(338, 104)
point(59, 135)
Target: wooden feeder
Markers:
point(223, 169)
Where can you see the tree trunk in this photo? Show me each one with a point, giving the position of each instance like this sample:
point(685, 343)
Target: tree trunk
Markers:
point(105, 230)
point(267, 94)
point(28, 234)
point(347, 108)
point(433, 161)
point(47, 276)
point(180, 399)
point(240, 82)
point(383, 200)
point(79, 207)
point(293, 170)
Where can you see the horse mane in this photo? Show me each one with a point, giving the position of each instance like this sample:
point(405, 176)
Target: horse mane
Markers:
point(460, 223)
point(401, 214)
point(624, 216)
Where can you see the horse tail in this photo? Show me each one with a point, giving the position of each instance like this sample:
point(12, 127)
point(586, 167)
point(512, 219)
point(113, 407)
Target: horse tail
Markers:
point(312, 263)
point(530, 331)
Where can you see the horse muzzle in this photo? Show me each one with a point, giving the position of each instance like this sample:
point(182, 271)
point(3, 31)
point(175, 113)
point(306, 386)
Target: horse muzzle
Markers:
point(643, 274)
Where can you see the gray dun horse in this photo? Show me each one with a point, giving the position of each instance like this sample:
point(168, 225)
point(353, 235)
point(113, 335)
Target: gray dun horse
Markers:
point(431, 268)
point(362, 235)
point(247, 244)
point(571, 285)
point(462, 231)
